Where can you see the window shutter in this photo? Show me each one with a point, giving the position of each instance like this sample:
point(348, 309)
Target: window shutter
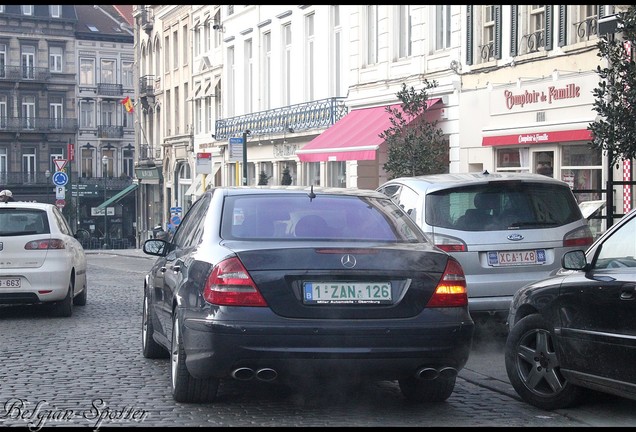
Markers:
point(549, 28)
point(601, 11)
point(497, 32)
point(563, 19)
point(514, 31)
point(469, 34)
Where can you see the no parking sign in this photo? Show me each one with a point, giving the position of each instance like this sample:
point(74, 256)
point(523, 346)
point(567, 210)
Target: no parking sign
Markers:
point(175, 220)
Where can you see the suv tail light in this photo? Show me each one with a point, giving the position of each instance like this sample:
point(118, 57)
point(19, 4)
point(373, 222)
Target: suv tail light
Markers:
point(449, 244)
point(229, 284)
point(45, 244)
point(581, 237)
point(451, 289)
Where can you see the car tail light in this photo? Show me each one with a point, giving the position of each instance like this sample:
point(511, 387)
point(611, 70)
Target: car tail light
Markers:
point(229, 284)
point(449, 244)
point(45, 244)
point(581, 237)
point(451, 289)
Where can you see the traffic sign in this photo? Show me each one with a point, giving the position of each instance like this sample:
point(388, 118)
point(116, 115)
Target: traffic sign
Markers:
point(176, 220)
point(60, 192)
point(59, 164)
point(60, 203)
point(60, 178)
point(176, 209)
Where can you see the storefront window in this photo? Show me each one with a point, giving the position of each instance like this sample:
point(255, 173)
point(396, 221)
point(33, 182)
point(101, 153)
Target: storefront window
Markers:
point(513, 159)
point(337, 174)
point(582, 169)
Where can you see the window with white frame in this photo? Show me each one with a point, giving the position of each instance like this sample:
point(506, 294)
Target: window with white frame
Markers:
point(3, 60)
point(3, 112)
point(248, 75)
point(267, 70)
point(55, 11)
point(3, 165)
point(312, 173)
point(197, 40)
point(28, 165)
point(107, 113)
point(87, 113)
point(55, 59)
point(28, 112)
point(336, 52)
point(231, 74)
point(209, 118)
point(107, 72)
point(217, 34)
point(157, 57)
point(127, 74)
point(166, 54)
point(207, 35)
point(487, 33)
point(175, 49)
point(309, 57)
point(87, 161)
point(27, 9)
point(28, 61)
point(533, 37)
point(168, 101)
point(128, 118)
point(513, 160)
point(337, 174)
point(198, 115)
point(582, 168)
point(372, 34)
point(56, 112)
point(87, 71)
point(287, 63)
point(177, 110)
point(129, 162)
point(584, 22)
point(185, 47)
point(442, 27)
point(403, 31)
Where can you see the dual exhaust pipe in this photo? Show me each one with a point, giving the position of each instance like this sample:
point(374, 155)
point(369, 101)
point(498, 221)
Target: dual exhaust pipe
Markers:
point(430, 373)
point(246, 374)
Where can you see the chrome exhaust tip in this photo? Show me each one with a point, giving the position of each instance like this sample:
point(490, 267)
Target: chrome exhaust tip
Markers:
point(243, 374)
point(426, 373)
point(448, 372)
point(266, 374)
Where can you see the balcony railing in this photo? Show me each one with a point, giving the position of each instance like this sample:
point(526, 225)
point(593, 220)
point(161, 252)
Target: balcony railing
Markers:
point(532, 42)
point(24, 73)
point(585, 29)
point(487, 51)
point(147, 85)
point(293, 118)
point(110, 89)
point(110, 131)
point(38, 124)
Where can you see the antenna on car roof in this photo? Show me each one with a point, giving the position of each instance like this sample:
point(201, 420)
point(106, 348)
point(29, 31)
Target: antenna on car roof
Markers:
point(311, 193)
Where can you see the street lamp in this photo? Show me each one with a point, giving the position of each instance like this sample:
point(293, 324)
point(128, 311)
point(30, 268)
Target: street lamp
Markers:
point(47, 174)
point(104, 167)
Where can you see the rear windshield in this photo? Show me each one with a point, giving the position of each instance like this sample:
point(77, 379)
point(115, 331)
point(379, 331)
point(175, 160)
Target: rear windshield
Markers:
point(14, 221)
point(502, 205)
point(324, 217)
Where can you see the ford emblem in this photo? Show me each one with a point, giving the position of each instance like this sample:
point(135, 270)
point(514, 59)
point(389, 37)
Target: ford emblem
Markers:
point(515, 237)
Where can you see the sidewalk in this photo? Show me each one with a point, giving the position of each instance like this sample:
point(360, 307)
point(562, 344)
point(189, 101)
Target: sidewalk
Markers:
point(136, 253)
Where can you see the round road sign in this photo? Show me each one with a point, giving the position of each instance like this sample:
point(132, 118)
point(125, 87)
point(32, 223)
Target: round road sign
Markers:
point(60, 203)
point(60, 178)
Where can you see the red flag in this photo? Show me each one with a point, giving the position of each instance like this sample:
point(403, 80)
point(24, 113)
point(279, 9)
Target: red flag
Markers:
point(128, 104)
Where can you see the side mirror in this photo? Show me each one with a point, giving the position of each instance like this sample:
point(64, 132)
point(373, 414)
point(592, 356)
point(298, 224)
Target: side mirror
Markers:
point(574, 260)
point(155, 247)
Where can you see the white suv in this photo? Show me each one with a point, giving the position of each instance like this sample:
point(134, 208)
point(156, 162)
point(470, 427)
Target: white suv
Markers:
point(506, 229)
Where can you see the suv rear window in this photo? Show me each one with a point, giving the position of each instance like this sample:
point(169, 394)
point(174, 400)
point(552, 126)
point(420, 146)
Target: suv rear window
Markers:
point(502, 205)
point(14, 222)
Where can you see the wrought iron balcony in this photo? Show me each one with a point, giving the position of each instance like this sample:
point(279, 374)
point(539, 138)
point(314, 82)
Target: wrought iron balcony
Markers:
point(24, 73)
point(149, 153)
point(293, 118)
point(487, 51)
point(147, 85)
point(110, 89)
point(110, 131)
point(38, 124)
point(586, 28)
point(13, 179)
point(532, 42)
point(111, 182)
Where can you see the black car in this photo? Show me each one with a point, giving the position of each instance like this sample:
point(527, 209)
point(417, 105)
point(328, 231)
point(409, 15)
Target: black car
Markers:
point(576, 330)
point(282, 283)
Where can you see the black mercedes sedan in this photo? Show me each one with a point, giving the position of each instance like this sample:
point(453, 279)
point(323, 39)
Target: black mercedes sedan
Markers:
point(279, 283)
point(576, 330)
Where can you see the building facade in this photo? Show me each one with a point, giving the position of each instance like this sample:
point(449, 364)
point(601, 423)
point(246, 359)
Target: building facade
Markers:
point(304, 90)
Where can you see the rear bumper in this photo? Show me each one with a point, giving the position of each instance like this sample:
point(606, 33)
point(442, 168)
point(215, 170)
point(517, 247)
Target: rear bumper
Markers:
point(390, 349)
point(38, 285)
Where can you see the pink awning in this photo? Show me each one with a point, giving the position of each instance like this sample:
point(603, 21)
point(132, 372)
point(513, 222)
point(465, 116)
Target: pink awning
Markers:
point(354, 137)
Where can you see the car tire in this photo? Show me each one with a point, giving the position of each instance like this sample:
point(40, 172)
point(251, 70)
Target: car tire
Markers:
point(150, 348)
point(437, 390)
point(533, 367)
point(80, 300)
point(64, 308)
point(186, 388)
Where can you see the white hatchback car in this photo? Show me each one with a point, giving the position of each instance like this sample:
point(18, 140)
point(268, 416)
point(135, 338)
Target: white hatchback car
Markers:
point(40, 259)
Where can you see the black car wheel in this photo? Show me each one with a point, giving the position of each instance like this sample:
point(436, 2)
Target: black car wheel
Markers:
point(64, 308)
point(186, 388)
point(80, 300)
point(533, 367)
point(151, 349)
point(437, 390)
